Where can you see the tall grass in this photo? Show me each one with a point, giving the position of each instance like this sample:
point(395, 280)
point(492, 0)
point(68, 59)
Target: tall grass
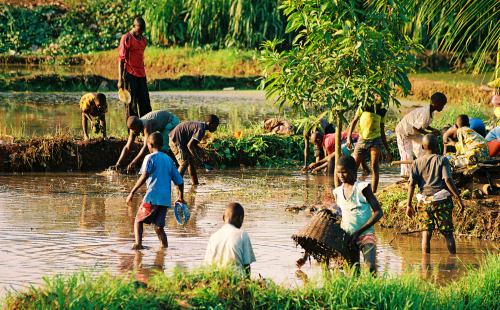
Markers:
point(450, 113)
point(221, 289)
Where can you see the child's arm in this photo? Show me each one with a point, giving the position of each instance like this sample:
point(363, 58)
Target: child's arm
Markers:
point(409, 209)
point(142, 179)
point(126, 150)
point(178, 181)
point(306, 150)
point(453, 189)
point(384, 140)
point(84, 126)
point(376, 214)
point(102, 119)
point(143, 152)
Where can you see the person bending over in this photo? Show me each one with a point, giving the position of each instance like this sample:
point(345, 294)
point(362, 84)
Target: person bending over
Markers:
point(160, 121)
point(184, 140)
point(94, 108)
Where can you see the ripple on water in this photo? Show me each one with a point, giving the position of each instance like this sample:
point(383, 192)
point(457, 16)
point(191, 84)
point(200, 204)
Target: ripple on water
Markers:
point(59, 223)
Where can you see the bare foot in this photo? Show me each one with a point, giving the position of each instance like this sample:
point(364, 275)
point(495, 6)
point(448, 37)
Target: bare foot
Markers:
point(138, 247)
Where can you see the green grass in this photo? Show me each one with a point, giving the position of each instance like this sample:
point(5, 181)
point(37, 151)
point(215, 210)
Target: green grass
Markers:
point(222, 289)
point(449, 115)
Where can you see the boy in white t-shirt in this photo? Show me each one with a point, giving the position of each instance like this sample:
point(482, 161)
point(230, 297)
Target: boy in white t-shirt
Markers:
point(230, 245)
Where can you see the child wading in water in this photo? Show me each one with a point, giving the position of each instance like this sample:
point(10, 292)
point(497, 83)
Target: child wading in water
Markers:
point(432, 174)
point(157, 170)
point(360, 210)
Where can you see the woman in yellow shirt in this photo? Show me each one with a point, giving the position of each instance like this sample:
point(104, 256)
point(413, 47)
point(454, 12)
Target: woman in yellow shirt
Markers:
point(94, 108)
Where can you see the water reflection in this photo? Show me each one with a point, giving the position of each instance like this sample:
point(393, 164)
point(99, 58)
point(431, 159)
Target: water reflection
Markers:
point(38, 114)
point(59, 223)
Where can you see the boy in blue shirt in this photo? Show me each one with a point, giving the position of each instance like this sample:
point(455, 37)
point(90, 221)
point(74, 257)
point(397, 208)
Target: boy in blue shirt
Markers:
point(157, 171)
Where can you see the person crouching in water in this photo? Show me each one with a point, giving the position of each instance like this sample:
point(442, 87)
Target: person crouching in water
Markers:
point(230, 245)
point(158, 171)
point(432, 173)
point(94, 108)
point(360, 210)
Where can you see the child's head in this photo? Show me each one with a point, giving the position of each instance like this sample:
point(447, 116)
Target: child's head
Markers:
point(317, 138)
point(101, 104)
point(430, 143)
point(155, 141)
point(212, 122)
point(462, 120)
point(234, 214)
point(438, 101)
point(139, 25)
point(135, 124)
point(346, 169)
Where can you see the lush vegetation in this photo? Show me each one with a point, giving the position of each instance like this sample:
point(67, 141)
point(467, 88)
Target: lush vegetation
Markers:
point(466, 29)
point(226, 290)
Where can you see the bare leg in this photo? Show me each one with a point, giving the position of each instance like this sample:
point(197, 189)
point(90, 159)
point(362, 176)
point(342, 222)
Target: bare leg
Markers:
point(450, 243)
point(331, 166)
point(138, 229)
point(375, 165)
point(162, 236)
point(366, 169)
point(183, 167)
point(369, 252)
point(426, 241)
point(193, 174)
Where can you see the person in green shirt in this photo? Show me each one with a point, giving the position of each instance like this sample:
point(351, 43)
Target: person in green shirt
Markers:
point(371, 137)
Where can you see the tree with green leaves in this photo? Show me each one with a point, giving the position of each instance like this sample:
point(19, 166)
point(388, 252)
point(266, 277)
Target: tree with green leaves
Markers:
point(343, 55)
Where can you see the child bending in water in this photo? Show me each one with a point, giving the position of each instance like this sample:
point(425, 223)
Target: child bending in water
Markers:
point(157, 171)
point(360, 209)
point(94, 108)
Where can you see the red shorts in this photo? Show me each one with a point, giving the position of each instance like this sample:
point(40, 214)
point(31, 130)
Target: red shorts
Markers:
point(151, 214)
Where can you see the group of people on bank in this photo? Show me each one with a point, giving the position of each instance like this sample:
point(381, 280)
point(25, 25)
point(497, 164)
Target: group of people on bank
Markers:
point(163, 133)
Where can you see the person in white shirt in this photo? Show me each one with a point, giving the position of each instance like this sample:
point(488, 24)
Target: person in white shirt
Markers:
point(230, 245)
point(413, 127)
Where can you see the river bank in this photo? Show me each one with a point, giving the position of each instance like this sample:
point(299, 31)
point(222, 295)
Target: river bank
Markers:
point(224, 289)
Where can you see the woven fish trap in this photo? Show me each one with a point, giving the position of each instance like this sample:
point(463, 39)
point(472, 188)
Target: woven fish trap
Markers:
point(323, 238)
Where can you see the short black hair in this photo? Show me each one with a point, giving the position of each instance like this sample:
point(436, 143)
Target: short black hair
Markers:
point(141, 22)
point(156, 140)
point(212, 119)
point(235, 209)
point(132, 120)
point(439, 98)
point(463, 120)
point(348, 162)
point(103, 105)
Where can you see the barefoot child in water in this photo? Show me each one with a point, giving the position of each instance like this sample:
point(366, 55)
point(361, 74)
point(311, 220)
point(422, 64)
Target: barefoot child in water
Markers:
point(360, 209)
point(230, 245)
point(157, 171)
point(432, 173)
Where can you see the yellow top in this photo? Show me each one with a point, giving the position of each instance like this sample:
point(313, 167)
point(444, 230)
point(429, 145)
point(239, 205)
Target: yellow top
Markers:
point(497, 115)
point(90, 105)
point(369, 124)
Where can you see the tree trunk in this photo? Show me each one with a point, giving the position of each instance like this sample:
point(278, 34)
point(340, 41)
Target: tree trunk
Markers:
point(338, 145)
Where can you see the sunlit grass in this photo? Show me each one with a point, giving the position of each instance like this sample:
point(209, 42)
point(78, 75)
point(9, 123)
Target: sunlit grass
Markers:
point(221, 289)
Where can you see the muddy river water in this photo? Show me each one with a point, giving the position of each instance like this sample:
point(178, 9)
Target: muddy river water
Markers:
point(59, 223)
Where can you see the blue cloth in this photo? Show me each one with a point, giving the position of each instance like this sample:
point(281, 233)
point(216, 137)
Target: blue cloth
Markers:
point(477, 125)
point(493, 134)
point(161, 171)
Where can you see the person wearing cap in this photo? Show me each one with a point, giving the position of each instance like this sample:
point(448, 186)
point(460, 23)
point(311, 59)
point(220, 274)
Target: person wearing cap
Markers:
point(94, 108)
point(413, 126)
point(478, 126)
point(131, 69)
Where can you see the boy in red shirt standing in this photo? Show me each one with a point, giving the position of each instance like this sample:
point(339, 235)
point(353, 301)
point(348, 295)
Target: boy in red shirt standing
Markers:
point(131, 71)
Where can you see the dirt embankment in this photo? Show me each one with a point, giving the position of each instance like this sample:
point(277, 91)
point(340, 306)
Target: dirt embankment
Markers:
point(60, 154)
point(480, 219)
